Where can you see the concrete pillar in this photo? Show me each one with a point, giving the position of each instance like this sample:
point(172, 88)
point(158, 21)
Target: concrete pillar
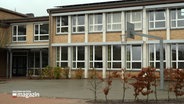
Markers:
point(70, 65)
point(144, 46)
point(123, 40)
point(168, 47)
point(104, 48)
point(86, 61)
point(86, 48)
point(104, 56)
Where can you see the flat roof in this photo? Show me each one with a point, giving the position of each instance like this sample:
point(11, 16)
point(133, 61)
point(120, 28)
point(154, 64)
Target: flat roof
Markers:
point(108, 5)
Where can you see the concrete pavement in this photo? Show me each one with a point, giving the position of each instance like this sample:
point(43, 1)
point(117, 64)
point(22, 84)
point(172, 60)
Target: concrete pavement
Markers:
point(71, 88)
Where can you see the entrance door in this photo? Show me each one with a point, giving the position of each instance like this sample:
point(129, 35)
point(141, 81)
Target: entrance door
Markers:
point(19, 65)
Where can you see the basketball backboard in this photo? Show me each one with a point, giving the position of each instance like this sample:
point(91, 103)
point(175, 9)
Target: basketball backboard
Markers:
point(130, 30)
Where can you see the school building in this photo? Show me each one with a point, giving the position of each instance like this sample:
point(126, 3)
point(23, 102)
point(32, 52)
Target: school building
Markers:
point(93, 36)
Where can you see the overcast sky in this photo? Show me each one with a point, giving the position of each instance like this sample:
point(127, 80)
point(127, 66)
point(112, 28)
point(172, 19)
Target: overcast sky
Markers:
point(39, 7)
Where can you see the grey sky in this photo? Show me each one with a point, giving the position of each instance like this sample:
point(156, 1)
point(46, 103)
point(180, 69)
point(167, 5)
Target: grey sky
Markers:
point(39, 7)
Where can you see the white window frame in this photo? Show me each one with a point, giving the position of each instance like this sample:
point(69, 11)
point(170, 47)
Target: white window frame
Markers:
point(131, 58)
point(59, 57)
point(177, 19)
point(94, 25)
point(112, 23)
point(59, 25)
point(77, 24)
point(76, 58)
point(131, 19)
point(40, 35)
point(154, 20)
point(154, 61)
point(94, 60)
point(177, 56)
point(111, 61)
point(16, 34)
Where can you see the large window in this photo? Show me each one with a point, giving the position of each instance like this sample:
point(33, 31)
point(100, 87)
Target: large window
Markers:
point(62, 24)
point(177, 19)
point(41, 32)
point(114, 21)
point(62, 56)
point(114, 56)
point(96, 57)
point(134, 56)
point(154, 56)
point(177, 52)
point(19, 33)
point(157, 19)
point(95, 23)
point(35, 58)
point(78, 57)
point(135, 17)
point(78, 24)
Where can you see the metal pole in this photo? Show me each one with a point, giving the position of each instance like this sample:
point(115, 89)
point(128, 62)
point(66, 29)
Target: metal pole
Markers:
point(161, 65)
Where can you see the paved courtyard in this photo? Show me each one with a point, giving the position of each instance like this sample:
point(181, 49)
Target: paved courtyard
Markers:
point(67, 89)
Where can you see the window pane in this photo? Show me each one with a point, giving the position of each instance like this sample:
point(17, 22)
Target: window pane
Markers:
point(160, 15)
point(160, 24)
point(117, 52)
point(81, 53)
point(74, 53)
point(151, 25)
point(90, 19)
point(64, 64)
point(151, 16)
point(36, 38)
point(128, 53)
point(81, 29)
point(36, 29)
point(14, 30)
point(98, 19)
point(98, 52)
point(64, 21)
point(151, 52)
point(173, 23)
point(117, 17)
point(80, 65)
point(136, 16)
point(173, 50)
point(64, 29)
point(180, 16)
point(180, 23)
point(173, 14)
point(44, 37)
point(181, 52)
point(64, 53)
point(181, 65)
point(116, 64)
point(14, 39)
point(136, 52)
point(116, 26)
point(21, 38)
point(37, 59)
point(44, 29)
point(98, 64)
point(44, 58)
point(174, 65)
point(22, 30)
point(73, 20)
point(81, 20)
point(109, 18)
point(136, 65)
point(91, 53)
